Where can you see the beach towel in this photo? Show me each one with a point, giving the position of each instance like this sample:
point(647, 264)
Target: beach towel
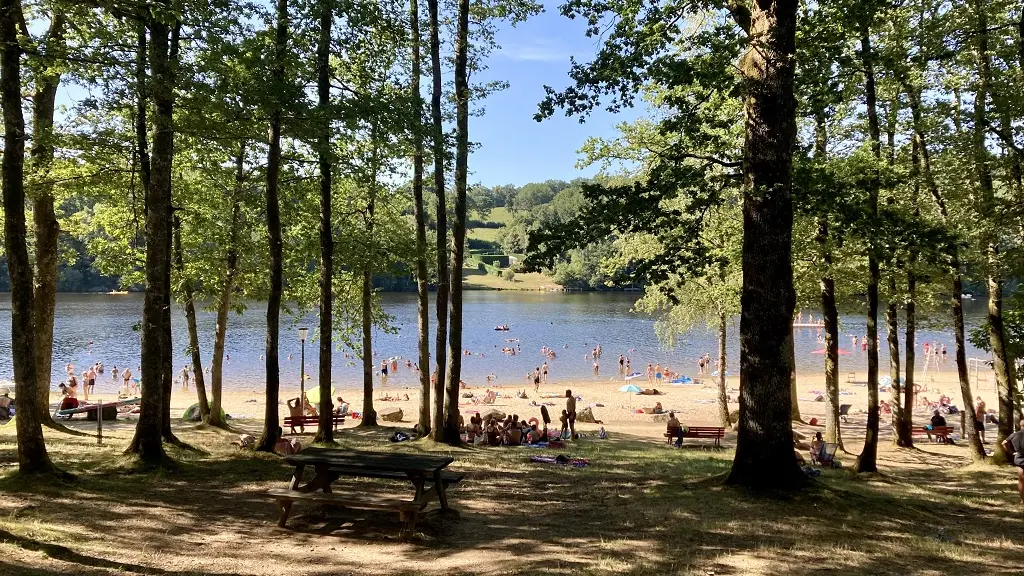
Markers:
point(561, 459)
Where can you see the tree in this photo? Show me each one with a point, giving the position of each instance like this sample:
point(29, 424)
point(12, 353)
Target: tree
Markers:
point(271, 419)
point(441, 216)
point(147, 443)
point(32, 455)
point(451, 433)
point(764, 452)
point(325, 429)
point(422, 279)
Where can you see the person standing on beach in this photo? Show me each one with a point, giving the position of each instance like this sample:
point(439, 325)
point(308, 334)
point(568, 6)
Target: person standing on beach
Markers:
point(650, 373)
point(570, 410)
point(622, 364)
point(384, 373)
point(979, 417)
point(184, 377)
point(114, 374)
point(597, 368)
point(536, 379)
point(544, 372)
point(627, 366)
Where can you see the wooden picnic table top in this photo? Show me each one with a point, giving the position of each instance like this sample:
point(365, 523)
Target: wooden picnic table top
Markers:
point(369, 461)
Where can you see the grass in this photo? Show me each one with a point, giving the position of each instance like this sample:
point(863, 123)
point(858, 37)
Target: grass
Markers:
point(641, 508)
point(474, 279)
point(487, 234)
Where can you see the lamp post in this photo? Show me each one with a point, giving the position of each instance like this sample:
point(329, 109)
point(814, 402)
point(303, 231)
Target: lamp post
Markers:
point(303, 332)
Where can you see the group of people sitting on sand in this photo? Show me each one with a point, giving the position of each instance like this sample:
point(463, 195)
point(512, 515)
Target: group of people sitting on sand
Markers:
point(508, 432)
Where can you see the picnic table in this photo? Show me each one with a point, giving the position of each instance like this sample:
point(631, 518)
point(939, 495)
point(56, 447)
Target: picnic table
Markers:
point(330, 464)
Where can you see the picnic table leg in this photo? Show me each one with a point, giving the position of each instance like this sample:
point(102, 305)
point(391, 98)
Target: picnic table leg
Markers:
point(439, 486)
point(296, 477)
point(408, 518)
point(418, 482)
point(99, 424)
point(286, 508)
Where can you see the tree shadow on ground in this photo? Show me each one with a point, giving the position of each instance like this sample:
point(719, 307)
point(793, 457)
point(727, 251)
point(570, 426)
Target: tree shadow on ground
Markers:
point(640, 507)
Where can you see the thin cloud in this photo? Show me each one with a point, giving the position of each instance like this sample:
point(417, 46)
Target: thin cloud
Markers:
point(535, 50)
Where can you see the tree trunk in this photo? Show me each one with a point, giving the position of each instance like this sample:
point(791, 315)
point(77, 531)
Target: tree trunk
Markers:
point(167, 362)
point(723, 396)
point(271, 419)
point(47, 230)
point(189, 305)
point(957, 309)
point(764, 450)
point(459, 229)
point(325, 427)
point(32, 456)
point(868, 456)
point(1001, 361)
point(441, 303)
point(907, 421)
point(829, 312)
point(147, 443)
point(369, 414)
point(227, 289)
point(422, 279)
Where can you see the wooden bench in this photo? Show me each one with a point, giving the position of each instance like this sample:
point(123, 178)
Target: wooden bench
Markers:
point(303, 421)
point(407, 509)
point(706, 432)
point(937, 431)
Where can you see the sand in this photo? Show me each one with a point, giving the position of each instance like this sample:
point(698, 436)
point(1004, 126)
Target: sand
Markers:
point(694, 404)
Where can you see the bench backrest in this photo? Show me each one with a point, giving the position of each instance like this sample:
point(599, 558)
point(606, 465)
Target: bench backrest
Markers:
point(705, 432)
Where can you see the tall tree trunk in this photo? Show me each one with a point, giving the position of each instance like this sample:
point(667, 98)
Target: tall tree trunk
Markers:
point(166, 363)
point(271, 419)
point(422, 279)
point(227, 289)
point(829, 312)
point(47, 230)
point(441, 303)
point(189, 304)
point(901, 432)
point(1001, 361)
point(325, 427)
point(868, 456)
point(32, 456)
point(723, 396)
point(764, 450)
point(956, 301)
point(369, 414)
point(911, 329)
point(147, 443)
point(459, 229)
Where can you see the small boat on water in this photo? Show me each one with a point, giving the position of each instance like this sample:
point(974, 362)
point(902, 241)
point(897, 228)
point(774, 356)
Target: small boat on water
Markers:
point(502, 328)
point(118, 292)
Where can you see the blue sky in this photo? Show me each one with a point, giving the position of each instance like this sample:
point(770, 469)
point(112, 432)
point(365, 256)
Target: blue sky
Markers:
point(515, 149)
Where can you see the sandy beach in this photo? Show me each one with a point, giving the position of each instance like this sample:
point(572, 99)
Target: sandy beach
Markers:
point(694, 404)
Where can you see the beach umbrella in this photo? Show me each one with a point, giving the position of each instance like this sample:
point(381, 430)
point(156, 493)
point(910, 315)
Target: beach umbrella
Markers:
point(313, 395)
point(631, 389)
point(841, 352)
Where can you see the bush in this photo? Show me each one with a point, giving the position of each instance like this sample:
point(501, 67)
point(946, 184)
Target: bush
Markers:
point(483, 245)
point(509, 275)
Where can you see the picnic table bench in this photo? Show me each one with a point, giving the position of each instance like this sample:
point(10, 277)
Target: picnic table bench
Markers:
point(937, 431)
point(330, 464)
point(97, 412)
point(708, 432)
point(337, 420)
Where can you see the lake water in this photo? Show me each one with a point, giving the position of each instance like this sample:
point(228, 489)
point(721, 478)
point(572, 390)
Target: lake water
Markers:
point(90, 328)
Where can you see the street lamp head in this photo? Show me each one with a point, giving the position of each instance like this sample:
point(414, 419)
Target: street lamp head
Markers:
point(303, 332)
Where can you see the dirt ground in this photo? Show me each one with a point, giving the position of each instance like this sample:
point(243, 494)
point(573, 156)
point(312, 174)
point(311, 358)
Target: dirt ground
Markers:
point(641, 507)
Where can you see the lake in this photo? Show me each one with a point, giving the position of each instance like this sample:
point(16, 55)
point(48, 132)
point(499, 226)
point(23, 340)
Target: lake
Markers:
point(90, 328)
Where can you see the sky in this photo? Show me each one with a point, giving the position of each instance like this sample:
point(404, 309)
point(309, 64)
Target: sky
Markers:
point(513, 147)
